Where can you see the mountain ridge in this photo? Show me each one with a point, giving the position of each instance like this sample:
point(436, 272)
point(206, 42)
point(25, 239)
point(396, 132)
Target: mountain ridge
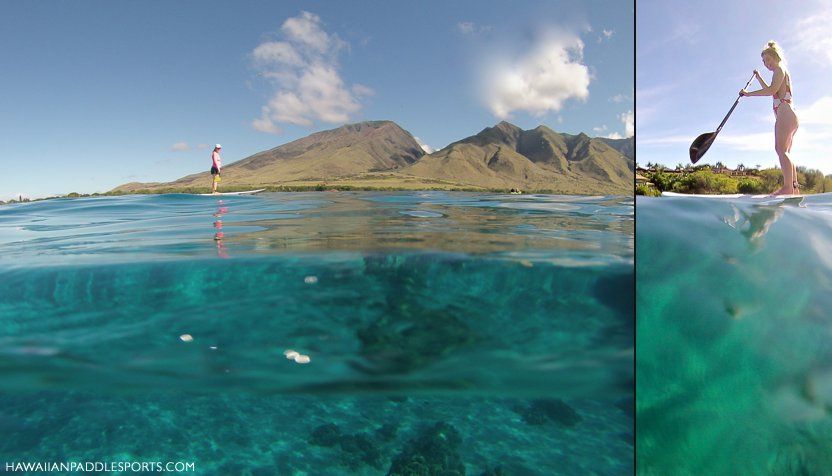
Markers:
point(381, 154)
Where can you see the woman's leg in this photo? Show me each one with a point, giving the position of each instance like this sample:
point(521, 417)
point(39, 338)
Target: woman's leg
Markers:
point(789, 150)
point(784, 130)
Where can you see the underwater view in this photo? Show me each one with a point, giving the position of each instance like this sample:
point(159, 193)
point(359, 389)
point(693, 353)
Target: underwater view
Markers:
point(419, 333)
point(734, 362)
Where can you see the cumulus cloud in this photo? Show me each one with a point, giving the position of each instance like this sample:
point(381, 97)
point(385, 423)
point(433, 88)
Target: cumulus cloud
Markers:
point(629, 127)
point(605, 35)
point(303, 66)
point(615, 135)
point(600, 129)
point(180, 147)
point(428, 149)
point(540, 81)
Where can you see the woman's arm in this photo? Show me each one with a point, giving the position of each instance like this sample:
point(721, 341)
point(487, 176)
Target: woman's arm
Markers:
point(776, 82)
point(760, 79)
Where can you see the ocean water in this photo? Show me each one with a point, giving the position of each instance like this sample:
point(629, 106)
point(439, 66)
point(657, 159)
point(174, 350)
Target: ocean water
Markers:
point(734, 336)
point(320, 333)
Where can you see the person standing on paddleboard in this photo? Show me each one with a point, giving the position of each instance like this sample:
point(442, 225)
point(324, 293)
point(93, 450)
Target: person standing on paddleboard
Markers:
point(786, 122)
point(216, 167)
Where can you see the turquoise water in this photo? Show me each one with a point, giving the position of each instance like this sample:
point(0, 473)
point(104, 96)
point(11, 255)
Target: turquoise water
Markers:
point(467, 333)
point(734, 362)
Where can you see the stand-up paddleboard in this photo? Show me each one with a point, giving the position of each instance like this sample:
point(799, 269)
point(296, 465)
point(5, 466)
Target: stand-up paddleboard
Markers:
point(247, 192)
point(762, 199)
point(702, 195)
point(731, 195)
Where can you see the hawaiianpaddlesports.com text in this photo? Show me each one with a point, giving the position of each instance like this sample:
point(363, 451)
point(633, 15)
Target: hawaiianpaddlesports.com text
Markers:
point(98, 467)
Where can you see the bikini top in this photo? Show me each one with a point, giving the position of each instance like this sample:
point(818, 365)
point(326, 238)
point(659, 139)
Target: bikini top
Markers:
point(786, 97)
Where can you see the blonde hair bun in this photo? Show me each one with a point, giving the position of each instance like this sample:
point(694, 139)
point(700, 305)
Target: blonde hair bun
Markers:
point(774, 49)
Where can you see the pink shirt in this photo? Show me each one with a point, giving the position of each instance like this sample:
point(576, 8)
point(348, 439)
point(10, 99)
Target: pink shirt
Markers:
point(216, 160)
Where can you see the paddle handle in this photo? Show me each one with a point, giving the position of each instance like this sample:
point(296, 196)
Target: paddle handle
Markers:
point(733, 107)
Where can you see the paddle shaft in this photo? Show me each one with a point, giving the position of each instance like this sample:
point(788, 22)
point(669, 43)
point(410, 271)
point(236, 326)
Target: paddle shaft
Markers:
point(732, 108)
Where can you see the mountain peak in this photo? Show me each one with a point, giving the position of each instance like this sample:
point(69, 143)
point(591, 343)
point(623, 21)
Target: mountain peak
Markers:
point(507, 126)
point(504, 132)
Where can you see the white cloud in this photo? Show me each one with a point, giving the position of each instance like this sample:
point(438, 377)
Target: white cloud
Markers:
point(265, 124)
point(755, 142)
point(813, 140)
point(361, 91)
point(818, 113)
point(600, 129)
point(621, 98)
point(811, 37)
point(812, 143)
point(605, 35)
point(471, 28)
point(664, 141)
point(615, 135)
point(305, 30)
point(276, 52)
point(304, 68)
point(428, 149)
point(180, 147)
point(540, 81)
point(629, 126)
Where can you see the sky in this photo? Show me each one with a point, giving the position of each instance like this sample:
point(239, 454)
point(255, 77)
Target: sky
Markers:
point(693, 59)
point(101, 93)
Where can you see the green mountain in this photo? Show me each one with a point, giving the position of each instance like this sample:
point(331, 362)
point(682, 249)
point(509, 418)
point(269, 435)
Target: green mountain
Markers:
point(505, 156)
point(380, 154)
point(322, 156)
point(627, 146)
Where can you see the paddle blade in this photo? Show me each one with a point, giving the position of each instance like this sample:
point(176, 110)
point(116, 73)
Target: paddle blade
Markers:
point(701, 145)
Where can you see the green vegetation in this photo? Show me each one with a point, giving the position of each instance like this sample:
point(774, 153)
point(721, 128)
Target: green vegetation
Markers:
point(703, 179)
point(647, 191)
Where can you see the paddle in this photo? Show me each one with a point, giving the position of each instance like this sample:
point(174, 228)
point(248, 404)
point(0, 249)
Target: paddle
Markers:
point(704, 141)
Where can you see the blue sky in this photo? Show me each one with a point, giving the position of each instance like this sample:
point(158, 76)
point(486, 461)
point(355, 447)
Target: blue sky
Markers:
point(100, 93)
point(694, 57)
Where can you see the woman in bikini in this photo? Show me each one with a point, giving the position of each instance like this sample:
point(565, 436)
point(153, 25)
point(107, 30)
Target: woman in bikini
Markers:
point(786, 122)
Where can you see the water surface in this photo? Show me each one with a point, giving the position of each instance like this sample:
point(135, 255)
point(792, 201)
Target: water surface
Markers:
point(172, 315)
point(734, 365)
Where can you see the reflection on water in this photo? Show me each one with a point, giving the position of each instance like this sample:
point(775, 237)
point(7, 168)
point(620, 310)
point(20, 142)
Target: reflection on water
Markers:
point(219, 235)
point(374, 325)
